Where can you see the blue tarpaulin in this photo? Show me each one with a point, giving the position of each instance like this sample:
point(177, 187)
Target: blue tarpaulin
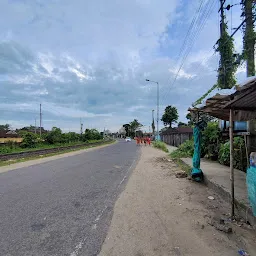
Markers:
point(196, 172)
point(251, 187)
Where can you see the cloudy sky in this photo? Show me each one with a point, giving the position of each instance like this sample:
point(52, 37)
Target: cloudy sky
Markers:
point(89, 59)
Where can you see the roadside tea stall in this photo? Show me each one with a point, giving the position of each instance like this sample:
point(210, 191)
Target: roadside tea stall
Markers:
point(238, 106)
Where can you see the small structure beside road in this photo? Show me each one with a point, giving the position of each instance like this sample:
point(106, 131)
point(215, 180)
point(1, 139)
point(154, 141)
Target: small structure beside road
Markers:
point(176, 136)
point(10, 135)
point(238, 106)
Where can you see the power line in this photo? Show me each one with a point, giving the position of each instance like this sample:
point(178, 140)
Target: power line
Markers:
point(201, 20)
point(188, 32)
point(40, 120)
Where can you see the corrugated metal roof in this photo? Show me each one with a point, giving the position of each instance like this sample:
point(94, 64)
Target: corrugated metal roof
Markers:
point(243, 102)
point(178, 130)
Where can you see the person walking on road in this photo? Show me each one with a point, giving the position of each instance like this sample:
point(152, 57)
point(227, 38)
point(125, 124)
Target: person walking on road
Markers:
point(137, 141)
point(149, 140)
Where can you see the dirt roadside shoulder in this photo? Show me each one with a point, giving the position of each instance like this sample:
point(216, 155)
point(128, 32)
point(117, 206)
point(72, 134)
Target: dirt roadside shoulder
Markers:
point(159, 214)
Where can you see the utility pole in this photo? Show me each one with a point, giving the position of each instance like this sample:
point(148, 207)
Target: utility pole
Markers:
point(81, 127)
point(40, 120)
point(222, 22)
point(153, 123)
point(222, 18)
point(157, 116)
point(35, 125)
point(249, 38)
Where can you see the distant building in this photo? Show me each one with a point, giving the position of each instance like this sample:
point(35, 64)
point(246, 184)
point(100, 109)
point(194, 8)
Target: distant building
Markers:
point(176, 136)
point(10, 135)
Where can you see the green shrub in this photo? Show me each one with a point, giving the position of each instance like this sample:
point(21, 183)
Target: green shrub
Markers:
point(160, 145)
point(5, 149)
point(29, 140)
point(240, 160)
point(211, 137)
point(186, 149)
point(91, 134)
point(54, 136)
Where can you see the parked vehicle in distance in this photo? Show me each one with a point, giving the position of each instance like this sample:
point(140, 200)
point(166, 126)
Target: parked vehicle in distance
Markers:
point(127, 139)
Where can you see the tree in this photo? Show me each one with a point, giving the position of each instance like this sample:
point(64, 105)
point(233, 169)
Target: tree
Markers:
point(70, 137)
point(91, 134)
point(54, 136)
point(189, 118)
point(181, 124)
point(127, 128)
point(29, 140)
point(134, 126)
point(153, 126)
point(5, 127)
point(170, 116)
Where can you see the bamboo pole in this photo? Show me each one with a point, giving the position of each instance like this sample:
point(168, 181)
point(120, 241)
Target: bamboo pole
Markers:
point(246, 151)
point(232, 163)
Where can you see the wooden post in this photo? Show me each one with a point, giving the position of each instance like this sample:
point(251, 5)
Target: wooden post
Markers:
point(246, 152)
point(232, 163)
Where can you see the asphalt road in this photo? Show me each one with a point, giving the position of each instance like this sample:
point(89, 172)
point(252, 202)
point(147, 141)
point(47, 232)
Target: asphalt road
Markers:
point(63, 207)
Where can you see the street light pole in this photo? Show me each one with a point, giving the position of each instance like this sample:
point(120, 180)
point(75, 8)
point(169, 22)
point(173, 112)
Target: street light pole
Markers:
point(157, 105)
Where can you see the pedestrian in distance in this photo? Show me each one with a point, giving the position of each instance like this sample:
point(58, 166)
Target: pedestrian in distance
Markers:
point(145, 141)
point(137, 141)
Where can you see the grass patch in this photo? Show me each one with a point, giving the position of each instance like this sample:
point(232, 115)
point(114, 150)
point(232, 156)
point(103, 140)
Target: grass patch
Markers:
point(17, 149)
point(183, 166)
point(184, 150)
point(14, 161)
point(160, 145)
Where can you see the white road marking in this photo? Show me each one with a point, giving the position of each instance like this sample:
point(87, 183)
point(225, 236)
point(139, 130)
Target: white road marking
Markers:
point(77, 248)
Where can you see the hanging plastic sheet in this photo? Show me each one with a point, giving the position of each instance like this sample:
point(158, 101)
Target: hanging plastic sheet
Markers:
point(196, 172)
point(251, 182)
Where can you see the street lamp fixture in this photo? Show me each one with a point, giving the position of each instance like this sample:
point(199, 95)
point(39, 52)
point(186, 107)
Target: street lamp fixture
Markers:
point(157, 100)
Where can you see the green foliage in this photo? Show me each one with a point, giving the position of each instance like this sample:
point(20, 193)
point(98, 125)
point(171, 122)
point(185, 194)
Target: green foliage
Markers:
point(153, 126)
point(181, 124)
point(227, 66)
point(127, 128)
point(91, 134)
point(249, 37)
point(4, 127)
point(29, 140)
point(132, 127)
point(160, 145)
point(70, 137)
point(240, 161)
point(211, 140)
point(170, 116)
point(54, 136)
point(200, 100)
point(9, 147)
point(186, 149)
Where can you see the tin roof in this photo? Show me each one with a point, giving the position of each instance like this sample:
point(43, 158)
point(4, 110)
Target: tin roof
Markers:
point(243, 102)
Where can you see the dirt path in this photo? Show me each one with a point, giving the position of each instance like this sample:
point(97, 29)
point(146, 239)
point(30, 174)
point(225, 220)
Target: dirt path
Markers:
point(158, 214)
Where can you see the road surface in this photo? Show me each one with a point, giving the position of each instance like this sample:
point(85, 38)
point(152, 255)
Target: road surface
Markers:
point(63, 207)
